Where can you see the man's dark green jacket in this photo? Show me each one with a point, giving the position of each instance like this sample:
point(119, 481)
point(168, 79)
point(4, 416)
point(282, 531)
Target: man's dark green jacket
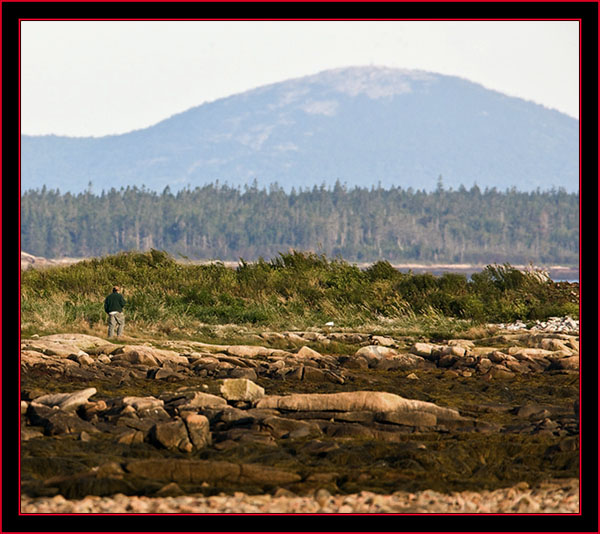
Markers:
point(114, 302)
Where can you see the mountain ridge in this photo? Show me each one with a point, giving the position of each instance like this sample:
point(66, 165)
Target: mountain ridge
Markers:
point(357, 125)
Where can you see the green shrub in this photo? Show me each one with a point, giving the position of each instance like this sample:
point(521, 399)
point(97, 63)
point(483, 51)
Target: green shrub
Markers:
point(382, 270)
point(297, 288)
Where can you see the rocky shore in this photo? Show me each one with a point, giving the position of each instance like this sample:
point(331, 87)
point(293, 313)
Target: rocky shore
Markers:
point(364, 424)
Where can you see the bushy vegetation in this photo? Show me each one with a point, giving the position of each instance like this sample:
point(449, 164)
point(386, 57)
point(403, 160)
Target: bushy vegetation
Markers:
point(293, 290)
point(461, 226)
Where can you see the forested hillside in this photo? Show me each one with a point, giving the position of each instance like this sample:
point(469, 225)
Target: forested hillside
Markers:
point(226, 223)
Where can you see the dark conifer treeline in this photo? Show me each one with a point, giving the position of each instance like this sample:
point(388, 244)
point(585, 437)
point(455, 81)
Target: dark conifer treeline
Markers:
point(465, 225)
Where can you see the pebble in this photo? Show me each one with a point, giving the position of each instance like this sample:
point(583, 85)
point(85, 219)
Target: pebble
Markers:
point(550, 497)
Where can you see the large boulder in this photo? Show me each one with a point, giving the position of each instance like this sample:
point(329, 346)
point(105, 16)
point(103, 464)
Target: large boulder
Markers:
point(354, 401)
point(532, 353)
point(143, 403)
point(294, 338)
point(208, 347)
point(241, 389)
point(198, 429)
point(135, 354)
point(172, 435)
point(426, 350)
point(56, 421)
point(307, 352)
point(568, 363)
point(374, 353)
point(247, 351)
point(454, 350)
point(33, 358)
point(67, 401)
point(150, 356)
point(381, 357)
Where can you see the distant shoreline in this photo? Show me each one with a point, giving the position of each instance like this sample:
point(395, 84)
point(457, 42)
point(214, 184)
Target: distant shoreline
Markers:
point(556, 272)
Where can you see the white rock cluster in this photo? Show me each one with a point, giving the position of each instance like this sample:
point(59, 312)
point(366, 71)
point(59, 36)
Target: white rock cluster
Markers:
point(553, 324)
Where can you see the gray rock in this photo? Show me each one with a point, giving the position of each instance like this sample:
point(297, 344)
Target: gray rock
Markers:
point(426, 350)
point(172, 435)
point(307, 352)
point(241, 389)
point(56, 421)
point(131, 437)
point(243, 372)
point(375, 353)
point(143, 403)
point(30, 433)
point(192, 400)
point(67, 401)
point(198, 430)
point(383, 341)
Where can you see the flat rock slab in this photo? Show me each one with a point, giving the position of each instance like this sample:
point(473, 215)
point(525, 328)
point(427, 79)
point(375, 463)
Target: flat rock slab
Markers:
point(355, 401)
point(51, 348)
point(83, 341)
point(67, 401)
point(247, 351)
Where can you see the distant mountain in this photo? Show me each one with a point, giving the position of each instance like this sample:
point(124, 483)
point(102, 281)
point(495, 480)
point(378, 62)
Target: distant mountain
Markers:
point(362, 126)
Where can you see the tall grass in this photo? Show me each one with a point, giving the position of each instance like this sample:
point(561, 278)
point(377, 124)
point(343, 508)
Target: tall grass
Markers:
point(293, 290)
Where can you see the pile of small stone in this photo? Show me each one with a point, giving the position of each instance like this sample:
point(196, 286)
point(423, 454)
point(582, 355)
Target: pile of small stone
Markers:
point(553, 324)
point(557, 324)
point(551, 497)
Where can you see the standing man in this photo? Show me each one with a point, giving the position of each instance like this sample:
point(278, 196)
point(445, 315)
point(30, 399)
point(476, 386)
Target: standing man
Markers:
point(113, 305)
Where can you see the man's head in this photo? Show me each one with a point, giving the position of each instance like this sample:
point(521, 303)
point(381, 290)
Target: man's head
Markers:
point(115, 289)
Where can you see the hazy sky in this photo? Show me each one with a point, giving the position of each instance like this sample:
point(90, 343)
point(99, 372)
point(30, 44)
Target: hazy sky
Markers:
point(83, 78)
